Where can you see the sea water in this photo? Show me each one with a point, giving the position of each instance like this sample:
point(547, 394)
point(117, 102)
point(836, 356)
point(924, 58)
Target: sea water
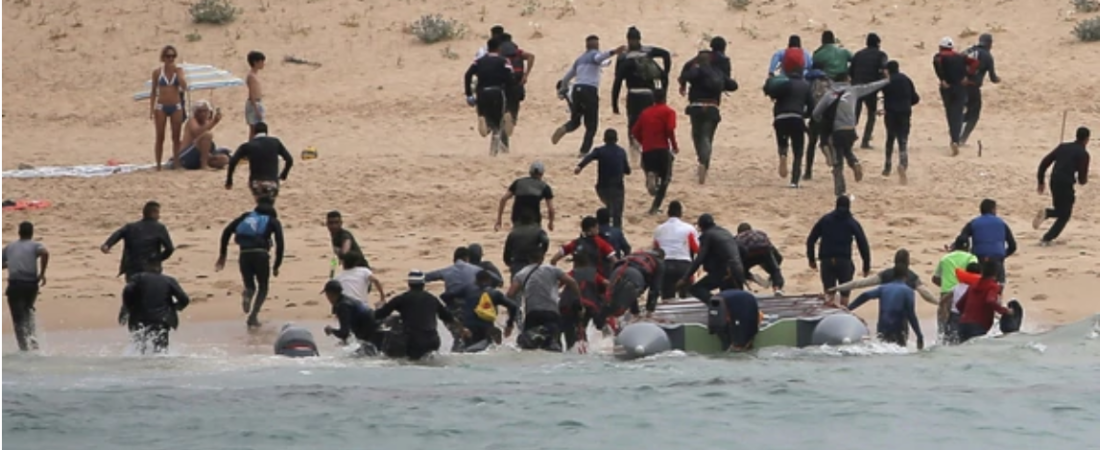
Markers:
point(219, 392)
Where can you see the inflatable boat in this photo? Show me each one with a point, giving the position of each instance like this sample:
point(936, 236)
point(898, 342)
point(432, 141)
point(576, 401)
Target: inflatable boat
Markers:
point(788, 321)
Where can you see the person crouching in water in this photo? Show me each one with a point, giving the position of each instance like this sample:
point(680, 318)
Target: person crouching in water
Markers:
point(355, 317)
point(154, 301)
point(980, 302)
point(254, 233)
point(480, 314)
point(896, 313)
point(578, 311)
point(538, 283)
point(742, 319)
point(637, 273)
point(419, 309)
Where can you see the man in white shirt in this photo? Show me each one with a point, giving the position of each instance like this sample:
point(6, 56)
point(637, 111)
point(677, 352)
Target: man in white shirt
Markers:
point(680, 242)
point(356, 279)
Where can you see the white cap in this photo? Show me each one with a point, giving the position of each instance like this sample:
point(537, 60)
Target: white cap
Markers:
point(947, 42)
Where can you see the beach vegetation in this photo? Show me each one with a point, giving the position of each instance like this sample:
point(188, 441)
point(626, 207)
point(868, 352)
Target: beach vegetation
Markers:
point(432, 28)
point(216, 12)
point(1086, 6)
point(1088, 30)
point(738, 4)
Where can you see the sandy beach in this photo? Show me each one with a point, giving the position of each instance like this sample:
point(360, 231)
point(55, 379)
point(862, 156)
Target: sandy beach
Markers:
point(401, 159)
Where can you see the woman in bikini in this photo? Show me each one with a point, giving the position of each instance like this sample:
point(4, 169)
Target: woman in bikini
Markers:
point(166, 102)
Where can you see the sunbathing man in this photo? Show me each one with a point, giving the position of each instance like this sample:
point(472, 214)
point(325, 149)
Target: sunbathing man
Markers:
point(198, 139)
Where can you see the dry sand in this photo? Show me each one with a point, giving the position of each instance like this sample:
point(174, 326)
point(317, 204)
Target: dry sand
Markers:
point(401, 159)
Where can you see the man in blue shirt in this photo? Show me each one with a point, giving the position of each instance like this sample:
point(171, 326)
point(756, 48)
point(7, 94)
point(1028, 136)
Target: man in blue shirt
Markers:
point(896, 307)
point(609, 180)
point(990, 237)
point(585, 104)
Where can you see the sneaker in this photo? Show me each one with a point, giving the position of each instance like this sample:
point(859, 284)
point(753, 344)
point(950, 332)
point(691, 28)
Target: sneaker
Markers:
point(783, 166)
point(793, 185)
point(886, 170)
point(954, 149)
point(1040, 217)
point(651, 183)
point(654, 212)
point(1045, 243)
point(701, 173)
point(902, 176)
point(558, 134)
point(509, 124)
point(858, 170)
point(778, 292)
point(482, 126)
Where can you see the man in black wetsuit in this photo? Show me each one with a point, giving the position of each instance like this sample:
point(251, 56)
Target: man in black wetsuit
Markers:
point(255, 233)
point(494, 81)
point(953, 70)
point(355, 318)
point(639, 70)
point(720, 257)
point(707, 83)
point(866, 67)
point(526, 239)
point(980, 52)
point(477, 258)
point(263, 153)
point(1071, 166)
point(153, 299)
point(419, 309)
point(145, 241)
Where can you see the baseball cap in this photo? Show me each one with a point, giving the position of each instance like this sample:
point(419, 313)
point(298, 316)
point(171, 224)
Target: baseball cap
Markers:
point(537, 168)
point(416, 277)
point(947, 42)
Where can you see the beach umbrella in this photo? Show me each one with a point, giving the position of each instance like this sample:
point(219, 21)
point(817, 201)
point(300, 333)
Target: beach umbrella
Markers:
point(199, 77)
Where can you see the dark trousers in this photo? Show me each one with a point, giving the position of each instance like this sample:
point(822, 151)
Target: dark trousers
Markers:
point(256, 273)
point(550, 324)
point(514, 98)
point(575, 318)
point(421, 344)
point(659, 162)
point(815, 140)
point(636, 102)
point(21, 298)
point(842, 143)
point(897, 130)
point(973, 111)
point(150, 337)
point(704, 123)
point(968, 331)
point(790, 133)
point(898, 336)
point(765, 259)
point(613, 197)
point(706, 286)
point(835, 272)
point(585, 110)
point(1000, 260)
point(954, 106)
point(1064, 196)
point(675, 270)
point(492, 104)
point(870, 101)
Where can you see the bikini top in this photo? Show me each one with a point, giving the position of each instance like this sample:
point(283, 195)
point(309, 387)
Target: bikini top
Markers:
point(164, 81)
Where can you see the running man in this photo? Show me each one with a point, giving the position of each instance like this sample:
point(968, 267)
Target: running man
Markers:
point(599, 251)
point(143, 241)
point(154, 301)
point(680, 242)
point(494, 81)
point(613, 166)
point(831, 57)
point(254, 112)
point(655, 131)
point(868, 66)
point(794, 43)
point(343, 242)
point(1071, 166)
point(898, 99)
point(638, 69)
point(357, 279)
point(26, 261)
point(523, 62)
point(707, 84)
point(497, 31)
point(198, 146)
point(526, 238)
point(837, 113)
point(255, 232)
point(836, 231)
point(612, 234)
point(990, 237)
point(584, 94)
point(720, 257)
point(794, 101)
point(973, 112)
point(263, 153)
point(529, 193)
point(953, 70)
point(897, 312)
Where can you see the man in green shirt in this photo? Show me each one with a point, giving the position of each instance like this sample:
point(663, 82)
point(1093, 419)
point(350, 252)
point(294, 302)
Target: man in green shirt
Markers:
point(831, 58)
point(958, 258)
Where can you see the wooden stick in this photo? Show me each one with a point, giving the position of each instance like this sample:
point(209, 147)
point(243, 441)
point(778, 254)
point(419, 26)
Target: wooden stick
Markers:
point(979, 148)
point(1062, 138)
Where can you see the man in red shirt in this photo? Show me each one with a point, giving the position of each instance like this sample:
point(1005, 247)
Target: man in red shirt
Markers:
point(655, 130)
point(980, 302)
point(599, 251)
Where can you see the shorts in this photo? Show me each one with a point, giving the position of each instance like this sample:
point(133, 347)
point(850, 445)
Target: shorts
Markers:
point(190, 160)
point(835, 272)
point(255, 115)
point(657, 161)
point(264, 188)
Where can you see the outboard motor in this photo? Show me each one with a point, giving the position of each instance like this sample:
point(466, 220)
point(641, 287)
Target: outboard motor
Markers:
point(295, 342)
point(718, 320)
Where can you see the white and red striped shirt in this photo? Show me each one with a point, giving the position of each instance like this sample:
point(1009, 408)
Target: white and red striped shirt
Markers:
point(678, 239)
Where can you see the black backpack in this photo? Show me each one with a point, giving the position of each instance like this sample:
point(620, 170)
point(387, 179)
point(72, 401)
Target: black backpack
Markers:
point(828, 118)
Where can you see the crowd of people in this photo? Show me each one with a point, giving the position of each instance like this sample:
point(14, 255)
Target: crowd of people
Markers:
point(830, 87)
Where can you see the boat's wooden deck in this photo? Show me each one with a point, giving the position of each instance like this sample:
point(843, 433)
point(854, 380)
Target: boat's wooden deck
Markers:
point(774, 308)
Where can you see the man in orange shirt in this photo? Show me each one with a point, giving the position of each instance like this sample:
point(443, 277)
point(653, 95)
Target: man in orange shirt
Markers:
point(655, 131)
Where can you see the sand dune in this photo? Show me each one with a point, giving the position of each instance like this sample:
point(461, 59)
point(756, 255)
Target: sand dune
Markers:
point(401, 159)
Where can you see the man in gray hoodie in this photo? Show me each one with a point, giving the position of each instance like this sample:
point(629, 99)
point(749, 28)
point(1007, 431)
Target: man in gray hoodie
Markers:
point(980, 52)
point(457, 278)
point(842, 116)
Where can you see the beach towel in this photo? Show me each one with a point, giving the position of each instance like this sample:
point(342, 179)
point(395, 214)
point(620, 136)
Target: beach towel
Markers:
point(25, 205)
point(89, 171)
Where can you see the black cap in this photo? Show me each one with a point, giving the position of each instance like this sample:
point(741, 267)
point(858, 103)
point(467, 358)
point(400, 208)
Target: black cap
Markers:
point(334, 287)
point(633, 33)
point(843, 202)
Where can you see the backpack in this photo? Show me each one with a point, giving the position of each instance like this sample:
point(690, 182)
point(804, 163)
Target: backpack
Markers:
point(828, 118)
point(486, 310)
point(254, 226)
point(645, 67)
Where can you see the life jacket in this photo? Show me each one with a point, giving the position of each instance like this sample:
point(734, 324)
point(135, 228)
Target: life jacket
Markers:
point(486, 310)
point(588, 246)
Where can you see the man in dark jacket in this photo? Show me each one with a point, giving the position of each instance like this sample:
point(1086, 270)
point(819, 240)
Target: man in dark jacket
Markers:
point(635, 68)
point(953, 70)
point(612, 234)
point(419, 310)
point(145, 241)
point(866, 67)
point(355, 317)
point(1071, 166)
point(263, 153)
point(836, 230)
point(990, 237)
point(526, 238)
point(898, 99)
point(708, 82)
point(153, 300)
point(720, 257)
point(794, 101)
point(980, 52)
point(613, 166)
point(477, 255)
point(495, 80)
point(255, 232)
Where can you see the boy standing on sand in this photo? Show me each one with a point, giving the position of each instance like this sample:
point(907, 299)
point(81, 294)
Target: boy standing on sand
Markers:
point(254, 108)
